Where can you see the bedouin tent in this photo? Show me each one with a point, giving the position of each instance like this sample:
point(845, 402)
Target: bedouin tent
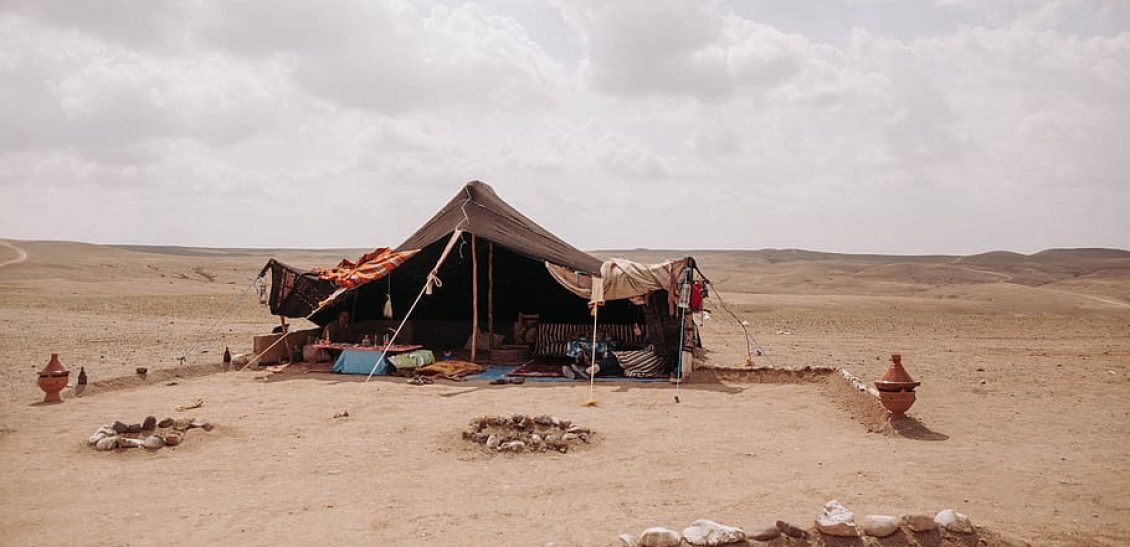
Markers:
point(479, 265)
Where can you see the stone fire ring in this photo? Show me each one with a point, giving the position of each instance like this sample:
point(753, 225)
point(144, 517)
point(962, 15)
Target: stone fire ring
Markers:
point(520, 433)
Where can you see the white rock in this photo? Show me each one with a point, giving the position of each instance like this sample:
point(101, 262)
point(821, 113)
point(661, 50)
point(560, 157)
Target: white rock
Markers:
point(836, 520)
point(919, 522)
point(954, 521)
point(106, 443)
point(126, 442)
point(879, 526)
point(627, 540)
point(153, 442)
point(239, 359)
point(93, 440)
point(200, 423)
point(659, 537)
point(708, 533)
point(493, 441)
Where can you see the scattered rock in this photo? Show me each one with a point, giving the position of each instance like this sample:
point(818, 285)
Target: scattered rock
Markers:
point(165, 423)
point(514, 446)
point(791, 531)
point(765, 533)
point(708, 533)
point(120, 427)
point(173, 439)
point(201, 423)
point(659, 537)
point(919, 522)
point(153, 442)
point(879, 526)
point(181, 424)
point(627, 540)
point(134, 428)
point(493, 441)
point(106, 443)
point(126, 442)
point(836, 520)
point(547, 421)
point(954, 521)
point(149, 424)
point(570, 437)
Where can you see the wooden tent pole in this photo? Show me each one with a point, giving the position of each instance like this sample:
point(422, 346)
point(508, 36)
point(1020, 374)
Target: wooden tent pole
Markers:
point(474, 300)
point(490, 294)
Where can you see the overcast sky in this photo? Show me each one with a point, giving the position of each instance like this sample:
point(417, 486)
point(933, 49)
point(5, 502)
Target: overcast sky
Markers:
point(952, 126)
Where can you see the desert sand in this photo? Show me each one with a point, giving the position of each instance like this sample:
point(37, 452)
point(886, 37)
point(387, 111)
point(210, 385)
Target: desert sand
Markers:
point(1022, 420)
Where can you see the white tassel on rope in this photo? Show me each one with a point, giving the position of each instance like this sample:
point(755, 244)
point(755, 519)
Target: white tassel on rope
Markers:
point(388, 300)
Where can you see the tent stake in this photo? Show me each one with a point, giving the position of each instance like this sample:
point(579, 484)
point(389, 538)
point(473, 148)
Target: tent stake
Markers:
point(474, 300)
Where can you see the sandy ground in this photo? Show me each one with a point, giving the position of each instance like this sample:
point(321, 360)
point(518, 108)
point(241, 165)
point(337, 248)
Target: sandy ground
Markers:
point(1024, 413)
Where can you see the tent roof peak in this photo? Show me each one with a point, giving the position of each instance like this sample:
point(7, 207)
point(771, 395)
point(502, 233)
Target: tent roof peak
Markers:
point(476, 208)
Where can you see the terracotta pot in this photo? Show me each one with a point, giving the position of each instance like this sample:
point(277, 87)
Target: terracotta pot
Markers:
point(896, 378)
point(52, 379)
point(897, 402)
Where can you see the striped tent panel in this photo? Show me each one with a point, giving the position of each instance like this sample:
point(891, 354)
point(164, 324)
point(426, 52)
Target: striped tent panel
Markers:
point(641, 363)
point(554, 337)
point(370, 267)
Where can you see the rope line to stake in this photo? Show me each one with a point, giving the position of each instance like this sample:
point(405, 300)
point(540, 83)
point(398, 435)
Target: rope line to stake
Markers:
point(432, 281)
point(592, 361)
point(221, 321)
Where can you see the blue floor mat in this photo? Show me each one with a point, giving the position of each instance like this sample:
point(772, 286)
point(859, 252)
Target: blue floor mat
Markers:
point(493, 372)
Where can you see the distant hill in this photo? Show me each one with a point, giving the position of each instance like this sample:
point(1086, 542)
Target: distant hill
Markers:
point(1101, 273)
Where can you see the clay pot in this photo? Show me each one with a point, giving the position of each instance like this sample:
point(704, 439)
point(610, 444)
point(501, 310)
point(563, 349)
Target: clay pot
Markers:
point(52, 379)
point(897, 402)
point(896, 378)
point(896, 387)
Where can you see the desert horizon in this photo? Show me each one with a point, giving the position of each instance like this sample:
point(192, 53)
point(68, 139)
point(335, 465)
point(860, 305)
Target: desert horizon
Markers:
point(1022, 359)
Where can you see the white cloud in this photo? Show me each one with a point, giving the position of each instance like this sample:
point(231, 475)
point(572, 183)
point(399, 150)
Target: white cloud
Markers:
point(616, 124)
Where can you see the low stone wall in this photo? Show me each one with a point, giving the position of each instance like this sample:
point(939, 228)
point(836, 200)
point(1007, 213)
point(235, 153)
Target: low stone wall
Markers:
point(759, 375)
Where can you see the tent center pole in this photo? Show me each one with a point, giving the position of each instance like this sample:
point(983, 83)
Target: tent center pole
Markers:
point(490, 294)
point(474, 300)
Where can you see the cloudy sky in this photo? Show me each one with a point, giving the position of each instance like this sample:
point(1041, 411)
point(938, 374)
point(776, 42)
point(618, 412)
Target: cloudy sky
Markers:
point(950, 126)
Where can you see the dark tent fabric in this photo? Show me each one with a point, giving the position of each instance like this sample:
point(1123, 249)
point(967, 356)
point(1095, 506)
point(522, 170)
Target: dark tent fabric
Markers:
point(510, 252)
point(477, 209)
point(295, 293)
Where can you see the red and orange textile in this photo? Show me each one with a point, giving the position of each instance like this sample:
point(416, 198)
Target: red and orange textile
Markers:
point(370, 267)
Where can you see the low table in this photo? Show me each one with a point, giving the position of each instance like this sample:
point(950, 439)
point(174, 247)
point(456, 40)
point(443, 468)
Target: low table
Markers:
point(397, 348)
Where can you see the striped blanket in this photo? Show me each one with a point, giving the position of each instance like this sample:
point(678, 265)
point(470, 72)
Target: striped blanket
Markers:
point(553, 338)
point(642, 363)
point(370, 267)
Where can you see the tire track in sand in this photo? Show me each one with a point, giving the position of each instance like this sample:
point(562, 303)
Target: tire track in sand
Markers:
point(21, 255)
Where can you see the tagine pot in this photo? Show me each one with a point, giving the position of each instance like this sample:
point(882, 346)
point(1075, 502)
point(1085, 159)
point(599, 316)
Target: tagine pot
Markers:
point(896, 387)
point(897, 402)
point(52, 379)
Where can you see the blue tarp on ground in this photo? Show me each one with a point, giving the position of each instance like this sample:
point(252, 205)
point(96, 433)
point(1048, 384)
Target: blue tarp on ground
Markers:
point(360, 362)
